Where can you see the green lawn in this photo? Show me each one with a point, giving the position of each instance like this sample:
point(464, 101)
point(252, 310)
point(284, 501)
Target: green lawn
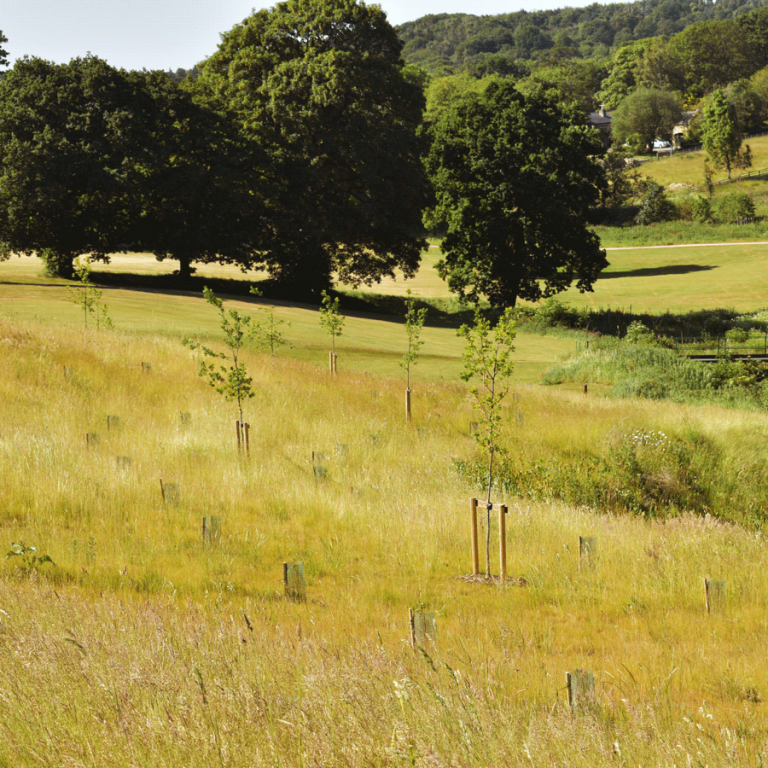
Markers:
point(688, 168)
point(678, 279)
point(681, 278)
point(369, 343)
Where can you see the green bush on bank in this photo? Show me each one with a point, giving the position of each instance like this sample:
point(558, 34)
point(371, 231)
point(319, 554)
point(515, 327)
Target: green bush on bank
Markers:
point(649, 369)
point(643, 472)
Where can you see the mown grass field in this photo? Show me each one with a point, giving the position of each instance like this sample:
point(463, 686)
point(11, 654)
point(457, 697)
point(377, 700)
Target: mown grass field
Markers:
point(688, 168)
point(142, 647)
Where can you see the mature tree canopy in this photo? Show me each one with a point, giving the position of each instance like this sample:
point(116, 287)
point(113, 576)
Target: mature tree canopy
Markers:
point(3, 53)
point(320, 84)
point(572, 80)
point(195, 202)
point(65, 134)
point(713, 54)
point(721, 134)
point(749, 105)
point(645, 115)
point(514, 177)
point(97, 160)
point(754, 26)
point(622, 79)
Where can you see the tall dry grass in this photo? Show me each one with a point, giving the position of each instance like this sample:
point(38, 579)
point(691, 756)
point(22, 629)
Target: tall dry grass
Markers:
point(139, 647)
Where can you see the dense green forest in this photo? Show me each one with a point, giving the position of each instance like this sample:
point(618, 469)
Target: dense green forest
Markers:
point(452, 43)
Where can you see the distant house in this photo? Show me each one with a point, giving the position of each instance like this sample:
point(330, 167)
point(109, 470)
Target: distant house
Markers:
point(681, 129)
point(602, 121)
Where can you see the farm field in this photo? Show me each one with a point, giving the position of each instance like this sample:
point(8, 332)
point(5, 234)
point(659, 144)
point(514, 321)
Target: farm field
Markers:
point(141, 646)
point(688, 168)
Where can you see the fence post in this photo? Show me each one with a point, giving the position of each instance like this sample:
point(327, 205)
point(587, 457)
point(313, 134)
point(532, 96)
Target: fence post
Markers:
point(503, 541)
point(715, 594)
point(581, 689)
point(473, 523)
point(587, 550)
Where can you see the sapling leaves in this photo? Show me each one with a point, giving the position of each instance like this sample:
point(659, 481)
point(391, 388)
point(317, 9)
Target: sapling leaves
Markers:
point(414, 322)
point(267, 332)
point(488, 365)
point(230, 380)
point(87, 296)
point(27, 555)
point(331, 319)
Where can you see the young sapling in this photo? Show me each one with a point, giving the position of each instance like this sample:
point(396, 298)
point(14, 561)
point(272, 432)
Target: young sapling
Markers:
point(333, 322)
point(488, 364)
point(230, 380)
point(86, 295)
point(414, 322)
point(267, 330)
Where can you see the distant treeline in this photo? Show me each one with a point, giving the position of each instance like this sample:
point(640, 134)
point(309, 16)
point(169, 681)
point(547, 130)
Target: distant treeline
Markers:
point(452, 43)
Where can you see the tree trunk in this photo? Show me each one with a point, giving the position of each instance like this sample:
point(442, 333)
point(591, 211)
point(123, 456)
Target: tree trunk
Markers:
point(185, 268)
point(58, 264)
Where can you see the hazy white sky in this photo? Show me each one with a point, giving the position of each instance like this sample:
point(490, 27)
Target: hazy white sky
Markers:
point(168, 34)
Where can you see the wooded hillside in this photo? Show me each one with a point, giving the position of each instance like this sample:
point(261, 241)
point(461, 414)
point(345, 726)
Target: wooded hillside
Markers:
point(451, 43)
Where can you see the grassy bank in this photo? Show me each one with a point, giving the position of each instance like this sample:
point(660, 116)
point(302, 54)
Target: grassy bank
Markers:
point(139, 646)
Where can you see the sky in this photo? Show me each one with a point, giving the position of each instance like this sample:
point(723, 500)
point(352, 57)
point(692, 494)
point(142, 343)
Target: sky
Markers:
point(173, 34)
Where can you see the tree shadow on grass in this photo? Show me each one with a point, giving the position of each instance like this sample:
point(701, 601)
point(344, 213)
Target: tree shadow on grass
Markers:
point(441, 312)
point(671, 269)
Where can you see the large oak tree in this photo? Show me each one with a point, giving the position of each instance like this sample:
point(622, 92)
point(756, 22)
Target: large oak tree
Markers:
point(514, 178)
point(321, 86)
point(66, 132)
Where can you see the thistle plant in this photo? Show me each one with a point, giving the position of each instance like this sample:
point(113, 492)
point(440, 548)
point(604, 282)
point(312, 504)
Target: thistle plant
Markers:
point(488, 365)
point(231, 380)
point(27, 556)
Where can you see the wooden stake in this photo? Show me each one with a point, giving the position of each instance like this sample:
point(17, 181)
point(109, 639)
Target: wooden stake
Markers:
point(423, 627)
point(581, 689)
point(408, 404)
point(473, 523)
point(715, 594)
point(247, 429)
point(587, 551)
point(503, 541)
point(295, 585)
point(585, 389)
point(239, 440)
point(211, 530)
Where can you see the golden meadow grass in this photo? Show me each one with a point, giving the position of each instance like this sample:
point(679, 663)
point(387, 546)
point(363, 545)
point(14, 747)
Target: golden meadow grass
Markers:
point(140, 647)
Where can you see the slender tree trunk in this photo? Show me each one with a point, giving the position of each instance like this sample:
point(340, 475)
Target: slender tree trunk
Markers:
point(488, 516)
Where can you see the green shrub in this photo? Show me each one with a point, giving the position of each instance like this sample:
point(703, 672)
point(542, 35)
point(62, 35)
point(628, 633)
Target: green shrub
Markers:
point(737, 335)
point(655, 206)
point(555, 313)
point(638, 333)
point(734, 207)
point(645, 472)
point(701, 210)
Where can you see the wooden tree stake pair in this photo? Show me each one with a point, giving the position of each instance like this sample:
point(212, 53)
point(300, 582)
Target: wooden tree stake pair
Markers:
point(503, 510)
point(243, 437)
